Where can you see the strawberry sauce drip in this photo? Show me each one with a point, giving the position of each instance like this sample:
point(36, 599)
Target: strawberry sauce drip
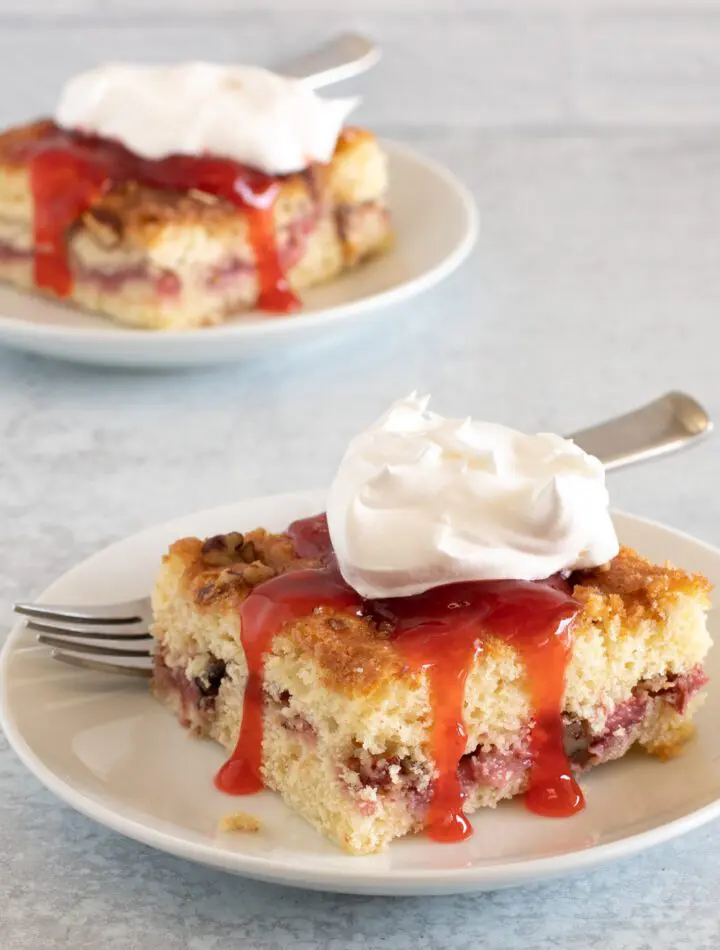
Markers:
point(69, 171)
point(263, 614)
point(440, 632)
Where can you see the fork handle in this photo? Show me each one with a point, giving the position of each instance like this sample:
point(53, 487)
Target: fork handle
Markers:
point(343, 57)
point(665, 425)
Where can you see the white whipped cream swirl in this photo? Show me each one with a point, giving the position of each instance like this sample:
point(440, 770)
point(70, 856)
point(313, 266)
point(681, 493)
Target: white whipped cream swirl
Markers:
point(420, 501)
point(244, 113)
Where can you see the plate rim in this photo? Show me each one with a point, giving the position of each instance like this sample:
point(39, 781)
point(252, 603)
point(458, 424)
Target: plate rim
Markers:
point(14, 330)
point(355, 879)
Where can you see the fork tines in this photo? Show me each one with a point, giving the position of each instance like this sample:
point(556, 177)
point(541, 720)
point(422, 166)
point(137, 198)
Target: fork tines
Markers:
point(77, 633)
point(102, 666)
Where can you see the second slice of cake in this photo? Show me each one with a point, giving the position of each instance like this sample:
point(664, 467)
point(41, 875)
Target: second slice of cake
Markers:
point(158, 219)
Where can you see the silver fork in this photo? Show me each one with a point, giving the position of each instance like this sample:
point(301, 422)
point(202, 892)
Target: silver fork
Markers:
point(112, 631)
point(79, 633)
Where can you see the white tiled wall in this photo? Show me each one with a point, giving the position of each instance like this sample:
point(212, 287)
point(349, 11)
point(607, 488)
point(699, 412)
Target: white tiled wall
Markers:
point(487, 63)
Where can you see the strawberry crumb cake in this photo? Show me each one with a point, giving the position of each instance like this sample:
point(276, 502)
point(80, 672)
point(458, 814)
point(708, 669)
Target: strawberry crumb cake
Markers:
point(171, 197)
point(461, 627)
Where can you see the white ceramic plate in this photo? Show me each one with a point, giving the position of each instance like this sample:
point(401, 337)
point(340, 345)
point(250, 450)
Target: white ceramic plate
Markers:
point(435, 222)
point(106, 748)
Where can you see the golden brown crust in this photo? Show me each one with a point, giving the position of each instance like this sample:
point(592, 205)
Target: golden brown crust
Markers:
point(222, 570)
point(351, 137)
point(141, 214)
point(353, 653)
point(630, 587)
point(14, 141)
point(674, 747)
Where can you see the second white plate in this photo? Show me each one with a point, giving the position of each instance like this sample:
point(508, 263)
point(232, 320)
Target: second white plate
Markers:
point(110, 751)
point(435, 223)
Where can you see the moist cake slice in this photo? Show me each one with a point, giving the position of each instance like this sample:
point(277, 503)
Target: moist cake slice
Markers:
point(375, 719)
point(183, 241)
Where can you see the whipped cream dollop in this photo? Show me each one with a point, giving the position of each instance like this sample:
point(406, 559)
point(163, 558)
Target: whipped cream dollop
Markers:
point(245, 113)
point(420, 501)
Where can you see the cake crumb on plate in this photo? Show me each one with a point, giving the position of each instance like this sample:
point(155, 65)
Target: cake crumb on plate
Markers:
point(239, 821)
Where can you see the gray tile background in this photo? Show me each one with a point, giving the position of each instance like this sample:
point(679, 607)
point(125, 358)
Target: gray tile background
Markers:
point(588, 132)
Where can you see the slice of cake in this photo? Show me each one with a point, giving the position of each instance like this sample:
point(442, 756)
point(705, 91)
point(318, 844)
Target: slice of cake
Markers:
point(172, 198)
point(348, 723)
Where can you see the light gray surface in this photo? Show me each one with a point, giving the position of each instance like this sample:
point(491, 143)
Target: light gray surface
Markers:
point(494, 63)
point(594, 287)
